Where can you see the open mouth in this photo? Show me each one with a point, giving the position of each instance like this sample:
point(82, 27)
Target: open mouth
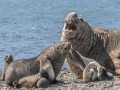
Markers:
point(70, 26)
point(69, 32)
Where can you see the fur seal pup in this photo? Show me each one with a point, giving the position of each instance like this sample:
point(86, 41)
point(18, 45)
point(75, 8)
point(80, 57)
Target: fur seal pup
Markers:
point(7, 60)
point(90, 72)
point(91, 69)
point(55, 54)
point(38, 80)
point(103, 74)
point(44, 81)
point(27, 81)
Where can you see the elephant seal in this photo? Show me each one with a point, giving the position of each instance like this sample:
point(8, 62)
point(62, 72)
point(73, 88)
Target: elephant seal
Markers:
point(92, 70)
point(95, 43)
point(7, 60)
point(53, 56)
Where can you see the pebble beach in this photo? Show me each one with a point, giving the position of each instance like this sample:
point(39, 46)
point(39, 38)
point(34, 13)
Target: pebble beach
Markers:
point(68, 81)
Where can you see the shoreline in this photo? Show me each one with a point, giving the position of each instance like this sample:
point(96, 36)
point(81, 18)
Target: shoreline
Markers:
point(68, 81)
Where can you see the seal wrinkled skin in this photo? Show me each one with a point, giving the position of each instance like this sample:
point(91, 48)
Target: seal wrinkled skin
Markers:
point(96, 43)
point(54, 54)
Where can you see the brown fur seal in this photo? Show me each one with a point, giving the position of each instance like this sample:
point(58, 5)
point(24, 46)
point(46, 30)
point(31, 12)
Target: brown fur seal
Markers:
point(53, 55)
point(79, 61)
point(21, 68)
point(7, 60)
point(99, 44)
point(91, 69)
point(38, 80)
point(94, 71)
point(103, 74)
point(27, 81)
point(52, 60)
point(90, 72)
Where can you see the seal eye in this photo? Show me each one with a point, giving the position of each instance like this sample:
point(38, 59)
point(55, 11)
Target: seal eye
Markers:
point(81, 19)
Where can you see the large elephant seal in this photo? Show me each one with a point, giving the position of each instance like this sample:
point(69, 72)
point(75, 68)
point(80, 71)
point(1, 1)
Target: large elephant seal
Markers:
point(99, 44)
point(7, 60)
point(92, 70)
point(51, 60)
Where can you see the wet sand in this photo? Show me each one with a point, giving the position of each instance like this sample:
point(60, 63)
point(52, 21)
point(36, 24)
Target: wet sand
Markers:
point(68, 81)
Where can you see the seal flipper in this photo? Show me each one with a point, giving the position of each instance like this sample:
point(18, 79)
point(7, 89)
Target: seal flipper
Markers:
point(55, 81)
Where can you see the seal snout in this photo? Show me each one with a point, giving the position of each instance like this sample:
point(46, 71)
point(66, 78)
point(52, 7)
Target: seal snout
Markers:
point(71, 20)
point(70, 26)
point(8, 58)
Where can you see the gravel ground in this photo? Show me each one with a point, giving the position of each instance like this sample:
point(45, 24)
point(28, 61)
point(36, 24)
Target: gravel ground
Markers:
point(68, 81)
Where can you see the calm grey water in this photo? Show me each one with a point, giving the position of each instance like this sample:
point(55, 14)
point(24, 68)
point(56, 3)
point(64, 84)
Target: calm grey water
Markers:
point(29, 26)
